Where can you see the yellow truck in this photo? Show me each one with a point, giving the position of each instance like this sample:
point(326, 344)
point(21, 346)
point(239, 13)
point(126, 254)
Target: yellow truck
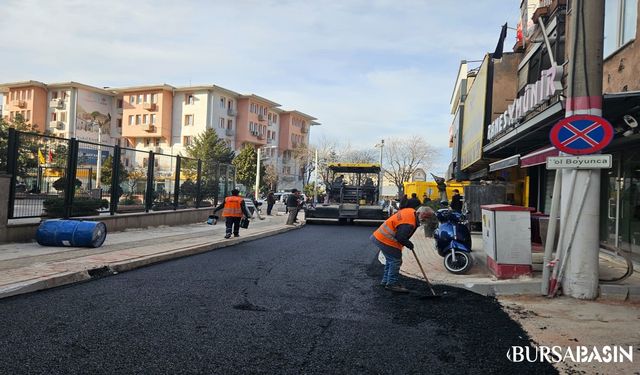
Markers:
point(431, 188)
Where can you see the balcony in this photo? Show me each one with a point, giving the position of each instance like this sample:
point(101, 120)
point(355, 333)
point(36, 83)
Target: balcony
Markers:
point(261, 118)
point(232, 112)
point(229, 132)
point(304, 129)
point(288, 178)
point(57, 125)
point(150, 129)
point(56, 103)
point(19, 103)
point(149, 106)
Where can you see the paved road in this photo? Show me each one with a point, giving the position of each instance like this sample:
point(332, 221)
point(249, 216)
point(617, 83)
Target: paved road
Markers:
point(303, 302)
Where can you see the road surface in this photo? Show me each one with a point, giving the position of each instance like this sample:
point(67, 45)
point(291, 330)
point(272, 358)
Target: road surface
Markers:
point(304, 302)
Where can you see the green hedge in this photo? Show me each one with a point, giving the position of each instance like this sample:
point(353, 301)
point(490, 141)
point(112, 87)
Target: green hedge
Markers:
point(82, 206)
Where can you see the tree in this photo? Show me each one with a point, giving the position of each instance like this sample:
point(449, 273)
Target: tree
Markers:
point(402, 156)
point(246, 163)
point(210, 148)
point(28, 152)
point(105, 172)
point(304, 158)
point(270, 178)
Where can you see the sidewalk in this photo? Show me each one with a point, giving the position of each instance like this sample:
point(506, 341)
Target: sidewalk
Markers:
point(27, 267)
point(480, 280)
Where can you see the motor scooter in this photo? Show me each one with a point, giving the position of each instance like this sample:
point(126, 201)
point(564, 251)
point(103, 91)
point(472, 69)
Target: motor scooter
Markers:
point(453, 241)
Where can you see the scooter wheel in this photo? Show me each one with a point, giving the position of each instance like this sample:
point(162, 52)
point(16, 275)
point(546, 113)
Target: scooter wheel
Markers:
point(459, 265)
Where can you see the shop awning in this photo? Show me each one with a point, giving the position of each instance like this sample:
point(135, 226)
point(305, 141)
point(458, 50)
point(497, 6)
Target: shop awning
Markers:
point(538, 156)
point(509, 162)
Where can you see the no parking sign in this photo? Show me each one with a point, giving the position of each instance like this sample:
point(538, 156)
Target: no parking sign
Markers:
point(581, 134)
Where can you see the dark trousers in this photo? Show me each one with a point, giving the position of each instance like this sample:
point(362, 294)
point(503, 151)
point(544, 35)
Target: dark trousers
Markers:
point(232, 222)
point(269, 208)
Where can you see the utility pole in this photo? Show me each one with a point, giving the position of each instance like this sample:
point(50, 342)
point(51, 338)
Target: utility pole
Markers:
point(584, 96)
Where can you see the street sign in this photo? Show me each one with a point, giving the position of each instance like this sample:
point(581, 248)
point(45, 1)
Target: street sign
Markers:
point(579, 162)
point(581, 134)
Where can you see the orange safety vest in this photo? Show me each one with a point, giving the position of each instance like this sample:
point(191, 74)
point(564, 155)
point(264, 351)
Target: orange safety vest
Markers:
point(232, 206)
point(386, 233)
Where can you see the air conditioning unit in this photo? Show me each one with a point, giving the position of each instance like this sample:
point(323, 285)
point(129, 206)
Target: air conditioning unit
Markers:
point(19, 103)
point(261, 118)
point(150, 129)
point(149, 106)
point(56, 103)
point(60, 125)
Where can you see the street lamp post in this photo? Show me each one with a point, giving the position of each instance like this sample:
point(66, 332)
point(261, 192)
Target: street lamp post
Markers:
point(381, 145)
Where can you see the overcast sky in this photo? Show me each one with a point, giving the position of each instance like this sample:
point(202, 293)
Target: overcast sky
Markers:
point(367, 69)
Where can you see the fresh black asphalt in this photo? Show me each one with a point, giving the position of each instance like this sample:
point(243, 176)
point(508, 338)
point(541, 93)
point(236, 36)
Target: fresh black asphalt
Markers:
point(304, 302)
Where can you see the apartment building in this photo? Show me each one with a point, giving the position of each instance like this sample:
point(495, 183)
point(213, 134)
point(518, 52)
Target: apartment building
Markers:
point(196, 109)
point(68, 109)
point(163, 119)
point(294, 133)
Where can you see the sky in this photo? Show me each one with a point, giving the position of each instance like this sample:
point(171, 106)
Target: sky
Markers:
point(367, 69)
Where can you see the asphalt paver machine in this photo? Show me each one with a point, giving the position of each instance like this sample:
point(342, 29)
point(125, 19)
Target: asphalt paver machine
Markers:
point(353, 193)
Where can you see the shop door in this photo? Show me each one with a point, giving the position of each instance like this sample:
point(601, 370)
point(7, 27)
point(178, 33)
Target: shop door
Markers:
point(623, 205)
point(613, 202)
point(629, 215)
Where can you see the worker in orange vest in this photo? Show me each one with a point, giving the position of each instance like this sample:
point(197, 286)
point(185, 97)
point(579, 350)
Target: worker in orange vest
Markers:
point(392, 236)
point(233, 208)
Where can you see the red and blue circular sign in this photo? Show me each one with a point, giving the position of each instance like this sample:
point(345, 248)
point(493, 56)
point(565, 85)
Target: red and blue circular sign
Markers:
point(581, 134)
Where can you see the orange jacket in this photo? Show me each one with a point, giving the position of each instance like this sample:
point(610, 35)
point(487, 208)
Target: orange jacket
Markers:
point(233, 206)
point(386, 233)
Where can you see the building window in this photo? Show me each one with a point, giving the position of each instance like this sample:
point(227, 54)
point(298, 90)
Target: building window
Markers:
point(63, 116)
point(138, 118)
point(229, 124)
point(188, 119)
point(223, 100)
point(186, 140)
point(154, 98)
point(132, 99)
point(619, 24)
point(147, 141)
point(119, 122)
point(153, 119)
point(28, 116)
point(145, 119)
point(156, 141)
point(189, 99)
point(221, 123)
point(130, 119)
point(119, 103)
point(139, 99)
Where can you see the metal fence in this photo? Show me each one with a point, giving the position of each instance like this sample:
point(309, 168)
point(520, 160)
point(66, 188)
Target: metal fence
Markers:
point(61, 177)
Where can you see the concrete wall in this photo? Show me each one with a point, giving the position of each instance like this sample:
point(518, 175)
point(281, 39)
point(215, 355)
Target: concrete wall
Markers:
point(116, 223)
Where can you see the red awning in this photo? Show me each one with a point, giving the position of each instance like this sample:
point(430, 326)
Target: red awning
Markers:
point(538, 156)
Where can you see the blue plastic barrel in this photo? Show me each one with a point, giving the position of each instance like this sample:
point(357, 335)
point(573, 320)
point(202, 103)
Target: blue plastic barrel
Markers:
point(75, 233)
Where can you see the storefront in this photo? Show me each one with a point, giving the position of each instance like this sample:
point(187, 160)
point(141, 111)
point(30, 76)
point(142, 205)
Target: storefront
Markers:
point(620, 189)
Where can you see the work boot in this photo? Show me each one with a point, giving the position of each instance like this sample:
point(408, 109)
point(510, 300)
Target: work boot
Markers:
point(396, 288)
point(228, 235)
point(236, 235)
